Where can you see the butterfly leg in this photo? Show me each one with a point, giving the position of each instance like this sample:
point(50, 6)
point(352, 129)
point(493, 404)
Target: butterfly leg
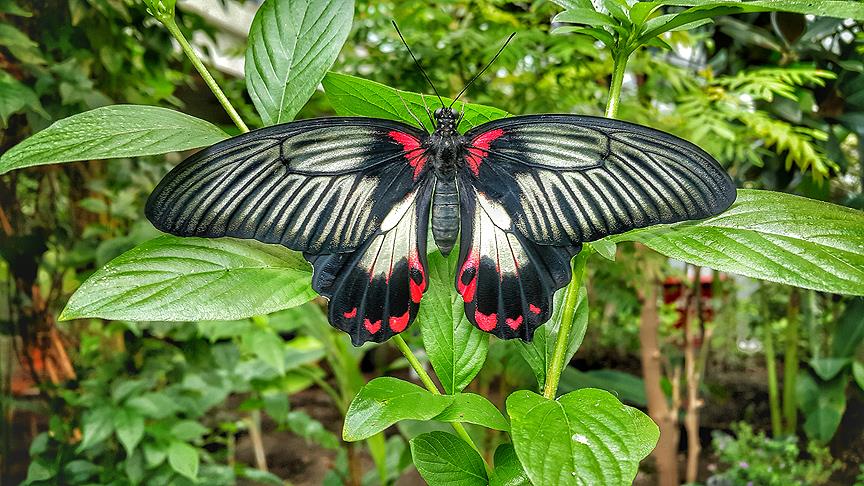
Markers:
point(419, 123)
point(428, 111)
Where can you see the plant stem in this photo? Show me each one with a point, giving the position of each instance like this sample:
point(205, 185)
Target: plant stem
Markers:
point(172, 27)
point(562, 341)
point(430, 385)
point(619, 66)
point(790, 364)
point(773, 395)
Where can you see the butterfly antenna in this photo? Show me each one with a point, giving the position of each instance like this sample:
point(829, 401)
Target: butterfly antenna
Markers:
point(483, 70)
point(417, 62)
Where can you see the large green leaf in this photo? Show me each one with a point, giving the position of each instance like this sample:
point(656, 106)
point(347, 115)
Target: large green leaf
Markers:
point(852, 9)
point(184, 459)
point(111, 132)
point(474, 409)
point(129, 427)
point(823, 404)
point(772, 236)
point(97, 425)
point(444, 459)
point(850, 330)
point(584, 437)
point(292, 44)
point(538, 353)
point(456, 349)
point(384, 401)
point(192, 279)
point(508, 470)
point(353, 96)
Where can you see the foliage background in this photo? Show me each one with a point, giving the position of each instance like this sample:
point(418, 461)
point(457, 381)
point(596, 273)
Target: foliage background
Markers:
point(775, 97)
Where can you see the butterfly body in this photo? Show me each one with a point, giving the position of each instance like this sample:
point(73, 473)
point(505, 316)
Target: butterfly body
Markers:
point(520, 194)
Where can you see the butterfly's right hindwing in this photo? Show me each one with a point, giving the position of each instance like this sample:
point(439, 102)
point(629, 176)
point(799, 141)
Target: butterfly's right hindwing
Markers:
point(319, 186)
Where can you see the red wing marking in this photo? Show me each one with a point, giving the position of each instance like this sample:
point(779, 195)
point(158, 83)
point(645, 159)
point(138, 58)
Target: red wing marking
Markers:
point(350, 314)
point(479, 148)
point(372, 327)
point(534, 309)
point(514, 323)
point(467, 290)
point(413, 152)
point(416, 270)
point(484, 322)
point(398, 324)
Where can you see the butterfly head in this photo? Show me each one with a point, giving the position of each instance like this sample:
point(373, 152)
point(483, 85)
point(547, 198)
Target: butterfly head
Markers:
point(446, 120)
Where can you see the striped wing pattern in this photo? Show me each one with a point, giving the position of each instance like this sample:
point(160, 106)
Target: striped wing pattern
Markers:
point(534, 188)
point(375, 291)
point(319, 186)
point(568, 179)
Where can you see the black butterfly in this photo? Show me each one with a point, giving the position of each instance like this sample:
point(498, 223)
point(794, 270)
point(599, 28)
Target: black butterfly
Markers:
point(522, 194)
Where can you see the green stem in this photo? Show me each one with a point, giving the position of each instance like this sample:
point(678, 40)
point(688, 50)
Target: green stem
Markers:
point(556, 366)
point(562, 341)
point(619, 66)
point(430, 385)
point(790, 364)
point(172, 27)
point(773, 395)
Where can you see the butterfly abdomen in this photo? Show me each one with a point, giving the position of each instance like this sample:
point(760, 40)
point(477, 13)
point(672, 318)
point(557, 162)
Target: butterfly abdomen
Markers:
point(445, 214)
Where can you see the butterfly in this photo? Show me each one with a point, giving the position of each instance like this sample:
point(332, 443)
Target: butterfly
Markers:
point(519, 194)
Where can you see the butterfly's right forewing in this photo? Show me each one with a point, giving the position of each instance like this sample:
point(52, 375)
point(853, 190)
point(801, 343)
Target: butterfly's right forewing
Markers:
point(319, 186)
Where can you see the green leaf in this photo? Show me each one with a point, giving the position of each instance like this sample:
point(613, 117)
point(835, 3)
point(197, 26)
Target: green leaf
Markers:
point(188, 430)
point(129, 427)
point(40, 470)
point(585, 437)
point(444, 459)
point(568, 4)
point(598, 34)
point(474, 409)
point(827, 368)
point(456, 349)
point(851, 9)
point(112, 132)
point(850, 330)
point(605, 248)
point(97, 426)
point(823, 404)
point(626, 387)
point(508, 469)
point(268, 347)
point(538, 353)
point(353, 96)
point(154, 454)
point(587, 16)
point(190, 279)
point(14, 97)
point(688, 19)
point(154, 405)
point(183, 459)
point(858, 373)
point(771, 236)
point(292, 44)
point(384, 401)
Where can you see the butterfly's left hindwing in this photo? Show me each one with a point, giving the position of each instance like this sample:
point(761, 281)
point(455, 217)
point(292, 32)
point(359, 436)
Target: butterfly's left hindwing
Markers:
point(506, 281)
point(375, 291)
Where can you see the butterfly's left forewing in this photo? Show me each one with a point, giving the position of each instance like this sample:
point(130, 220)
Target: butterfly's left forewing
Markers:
point(534, 188)
point(375, 291)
